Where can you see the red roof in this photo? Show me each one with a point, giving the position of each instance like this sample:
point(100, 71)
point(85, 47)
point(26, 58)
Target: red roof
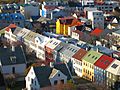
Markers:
point(79, 54)
point(7, 29)
point(104, 61)
point(78, 32)
point(96, 32)
point(12, 26)
point(65, 18)
point(50, 7)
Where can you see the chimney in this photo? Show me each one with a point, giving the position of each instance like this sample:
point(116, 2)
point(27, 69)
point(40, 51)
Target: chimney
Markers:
point(86, 49)
point(97, 50)
point(13, 48)
point(51, 64)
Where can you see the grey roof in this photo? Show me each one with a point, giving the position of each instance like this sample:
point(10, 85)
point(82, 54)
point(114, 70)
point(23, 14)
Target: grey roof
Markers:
point(17, 29)
point(118, 32)
point(42, 73)
point(61, 47)
point(63, 68)
point(8, 57)
point(104, 50)
point(70, 50)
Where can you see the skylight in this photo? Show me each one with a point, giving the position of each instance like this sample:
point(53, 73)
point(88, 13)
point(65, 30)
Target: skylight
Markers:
point(114, 66)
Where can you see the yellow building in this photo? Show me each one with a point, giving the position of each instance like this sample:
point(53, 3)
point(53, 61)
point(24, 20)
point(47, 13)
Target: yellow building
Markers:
point(62, 24)
point(88, 64)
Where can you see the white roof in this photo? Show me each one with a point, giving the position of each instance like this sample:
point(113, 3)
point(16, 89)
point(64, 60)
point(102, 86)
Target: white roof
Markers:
point(23, 32)
point(70, 50)
point(43, 40)
point(114, 68)
point(90, 9)
point(53, 43)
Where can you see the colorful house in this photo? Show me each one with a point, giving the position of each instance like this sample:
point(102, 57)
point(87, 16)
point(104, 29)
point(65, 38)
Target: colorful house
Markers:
point(88, 64)
point(77, 61)
point(49, 49)
point(113, 74)
point(100, 73)
point(62, 24)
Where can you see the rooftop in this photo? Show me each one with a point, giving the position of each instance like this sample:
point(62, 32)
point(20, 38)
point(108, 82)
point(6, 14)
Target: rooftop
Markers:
point(96, 32)
point(92, 56)
point(104, 61)
point(79, 54)
point(114, 68)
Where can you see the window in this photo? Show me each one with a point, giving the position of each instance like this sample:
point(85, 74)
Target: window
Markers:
point(28, 78)
point(31, 80)
point(55, 82)
point(93, 56)
point(114, 66)
point(58, 75)
point(89, 55)
point(51, 41)
point(62, 81)
point(13, 70)
point(35, 82)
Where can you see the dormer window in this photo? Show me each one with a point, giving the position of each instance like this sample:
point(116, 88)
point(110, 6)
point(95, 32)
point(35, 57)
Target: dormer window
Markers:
point(13, 59)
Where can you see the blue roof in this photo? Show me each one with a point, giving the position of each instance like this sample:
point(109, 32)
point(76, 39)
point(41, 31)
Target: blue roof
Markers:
point(6, 55)
point(12, 16)
point(51, 35)
point(104, 50)
point(10, 7)
point(35, 17)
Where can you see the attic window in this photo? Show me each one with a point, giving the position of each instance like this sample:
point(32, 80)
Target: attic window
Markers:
point(89, 55)
point(51, 41)
point(114, 66)
point(75, 51)
point(93, 56)
point(68, 47)
point(13, 59)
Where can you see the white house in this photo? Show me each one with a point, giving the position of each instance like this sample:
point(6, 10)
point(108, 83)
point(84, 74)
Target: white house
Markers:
point(97, 19)
point(12, 60)
point(43, 76)
point(87, 2)
point(51, 3)
point(9, 32)
point(77, 61)
point(77, 34)
point(38, 45)
point(29, 37)
point(20, 33)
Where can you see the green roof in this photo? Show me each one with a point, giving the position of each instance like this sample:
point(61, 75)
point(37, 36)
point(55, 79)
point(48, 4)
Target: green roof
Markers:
point(92, 56)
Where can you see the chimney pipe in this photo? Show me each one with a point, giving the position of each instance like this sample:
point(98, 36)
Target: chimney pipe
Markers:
point(13, 48)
